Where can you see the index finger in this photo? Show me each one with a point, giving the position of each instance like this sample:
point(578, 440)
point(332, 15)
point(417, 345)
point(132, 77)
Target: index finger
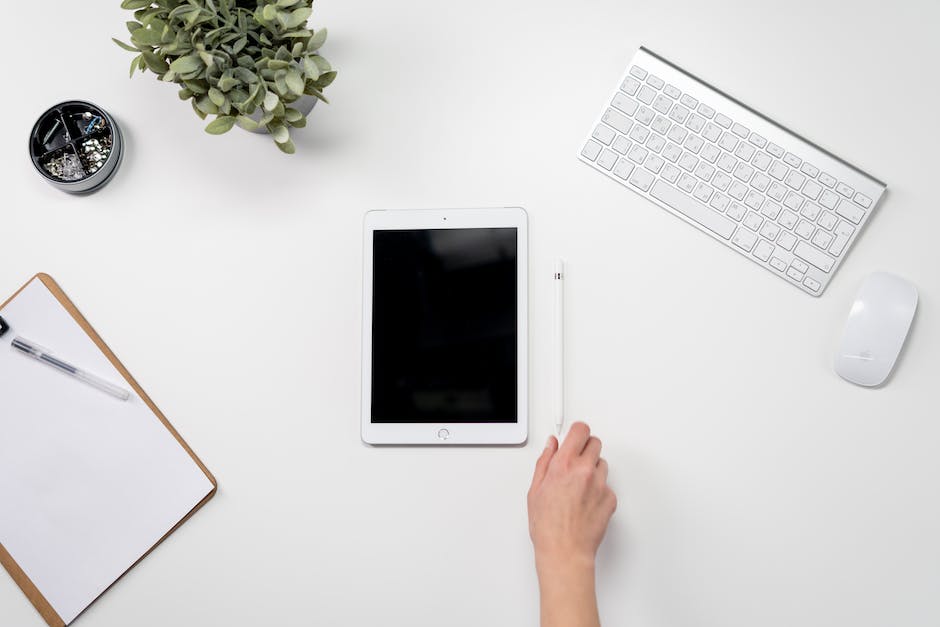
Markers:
point(575, 441)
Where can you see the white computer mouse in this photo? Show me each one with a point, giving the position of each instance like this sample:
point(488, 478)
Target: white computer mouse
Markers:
point(876, 329)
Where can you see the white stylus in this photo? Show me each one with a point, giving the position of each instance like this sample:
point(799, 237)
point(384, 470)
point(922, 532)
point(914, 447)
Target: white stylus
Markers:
point(558, 367)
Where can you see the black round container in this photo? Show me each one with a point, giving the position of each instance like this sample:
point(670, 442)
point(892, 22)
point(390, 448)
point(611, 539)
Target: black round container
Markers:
point(76, 146)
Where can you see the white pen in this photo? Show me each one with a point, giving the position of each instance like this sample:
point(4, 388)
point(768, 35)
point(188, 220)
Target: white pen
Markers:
point(40, 354)
point(558, 367)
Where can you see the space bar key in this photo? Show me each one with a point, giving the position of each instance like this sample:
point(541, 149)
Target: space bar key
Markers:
point(692, 209)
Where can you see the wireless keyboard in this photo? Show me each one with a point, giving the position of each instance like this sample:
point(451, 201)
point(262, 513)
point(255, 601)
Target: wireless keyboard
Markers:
point(760, 189)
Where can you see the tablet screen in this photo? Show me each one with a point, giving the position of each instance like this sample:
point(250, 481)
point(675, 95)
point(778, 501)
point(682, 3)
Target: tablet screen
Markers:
point(444, 325)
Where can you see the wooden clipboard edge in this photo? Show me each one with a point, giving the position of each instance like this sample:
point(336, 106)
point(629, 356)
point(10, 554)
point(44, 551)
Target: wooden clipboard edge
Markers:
point(36, 597)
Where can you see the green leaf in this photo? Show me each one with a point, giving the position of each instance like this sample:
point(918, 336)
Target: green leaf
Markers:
point(279, 133)
point(311, 69)
point(270, 100)
point(132, 26)
point(185, 93)
point(317, 40)
point(124, 45)
point(287, 147)
point(322, 63)
point(134, 62)
point(292, 115)
point(295, 82)
point(302, 122)
point(206, 106)
point(187, 64)
point(326, 79)
point(241, 43)
point(135, 4)
point(269, 12)
point(296, 34)
point(276, 64)
point(297, 17)
point(222, 124)
point(226, 83)
point(216, 96)
point(286, 3)
point(246, 123)
point(155, 62)
point(146, 37)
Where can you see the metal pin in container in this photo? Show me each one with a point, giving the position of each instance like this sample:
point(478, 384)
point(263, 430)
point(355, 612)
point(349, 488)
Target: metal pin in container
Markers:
point(40, 354)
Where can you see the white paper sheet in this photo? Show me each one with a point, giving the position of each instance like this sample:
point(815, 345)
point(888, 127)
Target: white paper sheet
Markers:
point(88, 483)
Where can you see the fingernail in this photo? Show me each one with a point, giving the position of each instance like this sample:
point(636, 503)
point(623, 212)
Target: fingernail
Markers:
point(548, 442)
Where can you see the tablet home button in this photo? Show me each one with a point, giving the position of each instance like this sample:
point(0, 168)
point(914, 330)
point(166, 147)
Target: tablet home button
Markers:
point(443, 434)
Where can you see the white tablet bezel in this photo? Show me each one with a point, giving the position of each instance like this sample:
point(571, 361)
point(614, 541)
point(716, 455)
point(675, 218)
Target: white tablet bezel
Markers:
point(447, 433)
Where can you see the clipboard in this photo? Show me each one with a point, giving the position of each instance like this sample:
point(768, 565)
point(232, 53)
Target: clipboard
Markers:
point(32, 592)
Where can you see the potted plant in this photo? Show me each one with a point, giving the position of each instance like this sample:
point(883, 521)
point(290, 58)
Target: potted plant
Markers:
point(254, 63)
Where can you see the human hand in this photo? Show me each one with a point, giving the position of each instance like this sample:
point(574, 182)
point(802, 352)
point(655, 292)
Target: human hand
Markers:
point(570, 503)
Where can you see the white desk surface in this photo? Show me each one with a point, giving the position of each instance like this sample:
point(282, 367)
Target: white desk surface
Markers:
point(756, 487)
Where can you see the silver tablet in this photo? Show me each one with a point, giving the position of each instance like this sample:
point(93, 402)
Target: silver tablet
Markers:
point(444, 351)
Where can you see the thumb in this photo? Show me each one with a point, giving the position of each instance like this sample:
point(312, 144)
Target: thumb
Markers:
point(541, 466)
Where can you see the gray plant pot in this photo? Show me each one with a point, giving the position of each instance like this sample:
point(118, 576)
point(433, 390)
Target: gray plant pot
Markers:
point(304, 104)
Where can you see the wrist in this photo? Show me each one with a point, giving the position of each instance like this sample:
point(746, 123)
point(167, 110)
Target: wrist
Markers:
point(564, 566)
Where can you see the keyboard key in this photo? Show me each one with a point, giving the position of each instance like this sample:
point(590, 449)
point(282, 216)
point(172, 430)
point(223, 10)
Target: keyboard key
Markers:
point(679, 114)
point(771, 209)
point(726, 162)
point(637, 154)
point(839, 245)
point(770, 230)
point(778, 170)
point(662, 103)
point(655, 81)
point(763, 249)
point(621, 144)
point(722, 120)
point(850, 212)
point(845, 228)
point(795, 180)
point(591, 150)
point(778, 264)
point(660, 125)
point(828, 220)
point(639, 133)
point(845, 190)
point(672, 152)
point(863, 200)
point(812, 189)
point(787, 219)
point(744, 239)
point(670, 172)
point(695, 122)
point(822, 239)
point(827, 179)
point(793, 201)
point(745, 151)
point(719, 202)
point(740, 130)
point(775, 150)
point(627, 105)
point(814, 256)
point(792, 160)
point(644, 115)
point(753, 221)
point(646, 94)
point(737, 190)
point(692, 209)
point(777, 191)
point(617, 120)
point(804, 229)
point(811, 283)
point(809, 170)
point(604, 134)
point(641, 178)
point(630, 85)
point(705, 110)
point(828, 199)
point(728, 142)
point(703, 192)
point(677, 134)
point(710, 153)
point(794, 274)
point(639, 72)
point(705, 171)
point(686, 182)
point(672, 91)
point(754, 200)
point(760, 181)
point(687, 161)
point(757, 140)
point(711, 132)
point(721, 181)
point(786, 240)
point(654, 163)
point(736, 212)
point(691, 103)
point(607, 159)
point(693, 143)
point(761, 161)
point(810, 211)
point(623, 169)
point(743, 172)
point(655, 143)
point(799, 266)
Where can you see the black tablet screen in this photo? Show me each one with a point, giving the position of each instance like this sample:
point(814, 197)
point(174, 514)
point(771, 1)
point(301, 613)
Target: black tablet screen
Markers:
point(444, 325)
